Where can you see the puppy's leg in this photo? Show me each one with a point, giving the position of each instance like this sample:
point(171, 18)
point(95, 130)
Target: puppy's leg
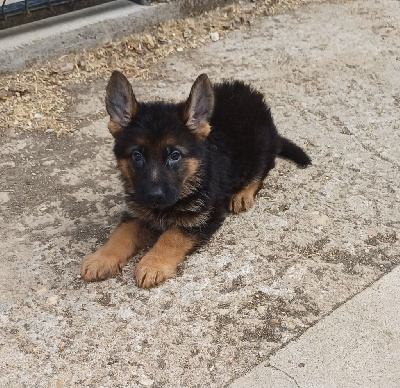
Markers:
point(160, 263)
point(244, 199)
point(127, 239)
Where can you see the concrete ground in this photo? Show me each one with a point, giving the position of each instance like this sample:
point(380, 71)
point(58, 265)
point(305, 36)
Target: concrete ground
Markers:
point(358, 345)
point(303, 287)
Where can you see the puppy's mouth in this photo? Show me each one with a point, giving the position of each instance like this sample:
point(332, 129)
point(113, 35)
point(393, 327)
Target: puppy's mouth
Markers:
point(161, 206)
point(158, 206)
point(161, 203)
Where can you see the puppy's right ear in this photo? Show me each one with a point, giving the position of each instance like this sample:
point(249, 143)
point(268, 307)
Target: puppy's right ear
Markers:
point(121, 103)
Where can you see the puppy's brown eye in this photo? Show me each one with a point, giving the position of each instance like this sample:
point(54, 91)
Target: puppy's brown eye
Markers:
point(137, 156)
point(175, 156)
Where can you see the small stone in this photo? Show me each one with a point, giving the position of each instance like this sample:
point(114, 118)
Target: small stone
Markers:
point(398, 236)
point(53, 299)
point(4, 197)
point(274, 321)
point(214, 36)
point(81, 63)
point(180, 49)
point(322, 219)
point(67, 68)
point(42, 291)
point(146, 381)
point(290, 325)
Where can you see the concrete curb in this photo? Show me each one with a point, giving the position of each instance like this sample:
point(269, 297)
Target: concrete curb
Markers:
point(39, 41)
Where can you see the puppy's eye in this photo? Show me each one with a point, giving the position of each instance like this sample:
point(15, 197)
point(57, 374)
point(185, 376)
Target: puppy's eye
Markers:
point(137, 156)
point(175, 156)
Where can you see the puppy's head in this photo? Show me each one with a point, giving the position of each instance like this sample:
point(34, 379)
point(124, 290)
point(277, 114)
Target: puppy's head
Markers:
point(159, 146)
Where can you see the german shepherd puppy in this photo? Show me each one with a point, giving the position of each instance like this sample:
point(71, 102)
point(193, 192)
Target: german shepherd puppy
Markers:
point(184, 166)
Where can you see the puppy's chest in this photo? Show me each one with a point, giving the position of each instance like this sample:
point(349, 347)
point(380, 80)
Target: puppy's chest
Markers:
point(191, 215)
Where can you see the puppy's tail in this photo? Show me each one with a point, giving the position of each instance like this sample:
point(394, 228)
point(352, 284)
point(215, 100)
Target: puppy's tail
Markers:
point(288, 150)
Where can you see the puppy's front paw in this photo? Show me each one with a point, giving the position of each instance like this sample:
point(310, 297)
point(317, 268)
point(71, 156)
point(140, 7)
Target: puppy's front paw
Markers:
point(241, 202)
point(150, 274)
point(100, 266)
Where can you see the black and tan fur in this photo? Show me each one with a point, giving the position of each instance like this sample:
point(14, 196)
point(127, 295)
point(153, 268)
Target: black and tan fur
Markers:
point(184, 167)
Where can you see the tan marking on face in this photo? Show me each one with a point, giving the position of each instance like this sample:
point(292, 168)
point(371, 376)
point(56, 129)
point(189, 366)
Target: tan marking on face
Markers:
point(193, 165)
point(202, 131)
point(160, 263)
point(127, 239)
point(166, 142)
point(124, 167)
point(244, 199)
point(192, 178)
point(114, 128)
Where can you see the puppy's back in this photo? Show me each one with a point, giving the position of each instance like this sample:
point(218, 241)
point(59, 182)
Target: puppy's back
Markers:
point(241, 119)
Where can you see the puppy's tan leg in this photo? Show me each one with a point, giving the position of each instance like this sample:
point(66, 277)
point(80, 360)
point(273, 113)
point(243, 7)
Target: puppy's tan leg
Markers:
point(160, 263)
point(127, 239)
point(244, 199)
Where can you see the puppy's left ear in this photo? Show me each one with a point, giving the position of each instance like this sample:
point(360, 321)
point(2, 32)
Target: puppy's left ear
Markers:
point(121, 103)
point(199, 107)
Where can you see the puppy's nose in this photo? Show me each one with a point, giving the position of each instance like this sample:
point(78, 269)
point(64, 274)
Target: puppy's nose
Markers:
point(155, 195)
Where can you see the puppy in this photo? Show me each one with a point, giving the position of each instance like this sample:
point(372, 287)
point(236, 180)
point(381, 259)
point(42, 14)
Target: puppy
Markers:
point(184, 167)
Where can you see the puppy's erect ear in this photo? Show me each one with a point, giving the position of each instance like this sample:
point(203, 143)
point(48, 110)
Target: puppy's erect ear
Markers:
point(199, 107)
point(121, 103)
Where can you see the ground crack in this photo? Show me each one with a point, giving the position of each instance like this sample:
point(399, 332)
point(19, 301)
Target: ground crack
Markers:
point(286, 374)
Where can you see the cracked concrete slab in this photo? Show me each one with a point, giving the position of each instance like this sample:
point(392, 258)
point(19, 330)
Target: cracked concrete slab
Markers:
point(355, 346)
point(315, 237)
point(265, 377)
